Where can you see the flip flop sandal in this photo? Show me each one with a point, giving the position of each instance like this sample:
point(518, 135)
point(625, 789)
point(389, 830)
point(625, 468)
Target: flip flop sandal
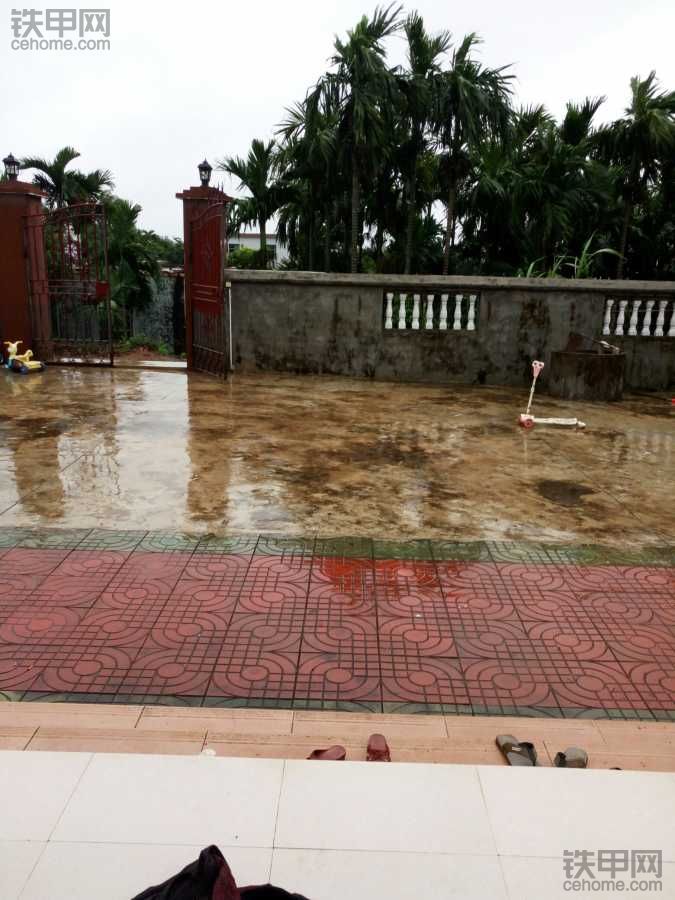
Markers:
point(572, 758)
point(378, 749)
point(517, 753)
point(336, 752)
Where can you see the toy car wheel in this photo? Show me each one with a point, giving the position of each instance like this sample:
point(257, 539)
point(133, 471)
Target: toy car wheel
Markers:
point(24, 370)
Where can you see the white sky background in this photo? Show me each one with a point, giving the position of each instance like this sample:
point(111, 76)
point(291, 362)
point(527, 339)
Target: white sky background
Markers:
point(187, 80)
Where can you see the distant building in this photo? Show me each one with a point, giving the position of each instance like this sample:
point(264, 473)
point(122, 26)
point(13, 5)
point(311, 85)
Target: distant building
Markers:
point(277, 251)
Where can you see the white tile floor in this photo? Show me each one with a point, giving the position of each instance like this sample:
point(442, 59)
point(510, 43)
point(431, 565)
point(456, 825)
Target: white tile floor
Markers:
point(79, 825)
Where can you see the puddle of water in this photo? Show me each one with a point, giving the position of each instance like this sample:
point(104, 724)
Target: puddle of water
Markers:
point(565, 493)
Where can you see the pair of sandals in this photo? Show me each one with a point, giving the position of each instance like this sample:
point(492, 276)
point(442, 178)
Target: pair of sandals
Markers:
point(378, 751)
point(523, 753)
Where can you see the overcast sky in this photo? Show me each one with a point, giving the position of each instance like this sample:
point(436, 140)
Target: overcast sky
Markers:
point(187, 80)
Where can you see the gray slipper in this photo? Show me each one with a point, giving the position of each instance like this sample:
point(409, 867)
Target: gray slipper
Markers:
point(517, 753)
point(572, 758)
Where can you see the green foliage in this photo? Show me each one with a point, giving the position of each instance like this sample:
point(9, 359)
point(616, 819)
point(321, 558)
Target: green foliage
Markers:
point(65, 186)
point(167, 251)
point(141, 342)
point(429, 167)
point(244, 258)
point(134, 267)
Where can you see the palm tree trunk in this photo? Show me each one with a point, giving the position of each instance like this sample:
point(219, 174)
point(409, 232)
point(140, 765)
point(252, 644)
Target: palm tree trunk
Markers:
point(326, 239)
point(410, 224)
point(627, 216)
point(310, 242)
point(450, 227)
point(356, 202)
point(634, 174)
point(262, 224)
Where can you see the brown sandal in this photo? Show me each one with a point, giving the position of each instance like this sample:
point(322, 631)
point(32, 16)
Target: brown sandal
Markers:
point(336, 752)
point(378, 749)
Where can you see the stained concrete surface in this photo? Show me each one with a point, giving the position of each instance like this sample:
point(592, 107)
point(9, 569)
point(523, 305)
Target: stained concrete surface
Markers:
point(302, 454)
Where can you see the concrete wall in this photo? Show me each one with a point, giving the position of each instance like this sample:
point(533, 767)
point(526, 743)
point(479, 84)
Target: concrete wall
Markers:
point(323, 323)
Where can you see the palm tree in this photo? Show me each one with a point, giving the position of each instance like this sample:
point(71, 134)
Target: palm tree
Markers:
point(473, 106)
point(307, 159)
point(418, 87)
point(65, 186)
point(131, 256)
point(640, 143)
point(256, 175)
point(363, 84)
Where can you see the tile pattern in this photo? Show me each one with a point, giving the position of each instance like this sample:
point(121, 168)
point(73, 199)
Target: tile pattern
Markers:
point(338, 623)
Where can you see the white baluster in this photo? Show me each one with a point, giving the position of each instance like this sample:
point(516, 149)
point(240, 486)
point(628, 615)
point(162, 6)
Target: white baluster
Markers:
point(429, 323)
point(471, 325)
point(632, 328)
point(647, 321)
point(443, 324)
point(416, 312)
point(620, 317)
point(661, 318)
point(401, 311)
point(609, 303)
point(389, 316)
point(671, 330)
point(457, 324)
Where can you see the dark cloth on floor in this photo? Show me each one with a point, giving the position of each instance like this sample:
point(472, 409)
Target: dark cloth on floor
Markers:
point(210, 878)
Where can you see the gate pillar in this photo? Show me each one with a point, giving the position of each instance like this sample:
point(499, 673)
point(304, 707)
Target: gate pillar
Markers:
point(18, 199)
point(196, 200)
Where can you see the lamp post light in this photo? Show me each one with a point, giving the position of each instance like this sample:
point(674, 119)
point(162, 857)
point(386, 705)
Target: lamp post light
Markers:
point(11, 167)
point(205, 173)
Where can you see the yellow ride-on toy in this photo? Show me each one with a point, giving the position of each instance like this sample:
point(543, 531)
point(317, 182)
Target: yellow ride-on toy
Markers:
point(21, 362)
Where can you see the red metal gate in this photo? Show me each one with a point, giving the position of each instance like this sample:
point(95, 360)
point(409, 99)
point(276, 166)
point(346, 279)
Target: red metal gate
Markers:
point(207, 329)
point(67, 270)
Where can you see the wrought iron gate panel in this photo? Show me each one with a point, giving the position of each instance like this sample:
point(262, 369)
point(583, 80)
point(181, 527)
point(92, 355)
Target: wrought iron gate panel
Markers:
point(207, 297)
point(67, 260)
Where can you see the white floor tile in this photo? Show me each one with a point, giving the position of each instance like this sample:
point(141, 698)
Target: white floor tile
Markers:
point(336, 874)
point(17, 859)
point(196, 800)
point(545, 811)
point(540, 878)
point(365, 806)
point(34, 789)
point(120, 871)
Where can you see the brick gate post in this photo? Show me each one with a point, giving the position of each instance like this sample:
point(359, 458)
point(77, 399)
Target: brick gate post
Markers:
point(18, 199)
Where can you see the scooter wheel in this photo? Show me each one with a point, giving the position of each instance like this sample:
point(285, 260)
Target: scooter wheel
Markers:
point(527, 423)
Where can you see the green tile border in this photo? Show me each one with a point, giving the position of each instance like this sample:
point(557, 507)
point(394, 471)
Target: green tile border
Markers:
point(413, 549)
point(278, 545)
point(460, 551)
point(364, 706)
point(10, 537)
point(108, 539)
point(355, 547)
point(348, 546)
point(396, 707)
point(53, 538)
point(247, 703)
point(168, 542)
point(236, 544)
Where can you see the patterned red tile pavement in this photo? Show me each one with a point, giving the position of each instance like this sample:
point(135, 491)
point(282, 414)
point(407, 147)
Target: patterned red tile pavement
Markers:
point(300, 623)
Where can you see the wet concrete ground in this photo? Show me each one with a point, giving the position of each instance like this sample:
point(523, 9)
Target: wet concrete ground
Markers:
point(159, 450)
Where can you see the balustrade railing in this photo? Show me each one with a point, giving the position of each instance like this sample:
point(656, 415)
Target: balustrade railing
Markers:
point(639, 317)
point(426, 311)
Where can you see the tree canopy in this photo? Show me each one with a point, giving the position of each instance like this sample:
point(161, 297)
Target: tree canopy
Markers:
point(432, 167)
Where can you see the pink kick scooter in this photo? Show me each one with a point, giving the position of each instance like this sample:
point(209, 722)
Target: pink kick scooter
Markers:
point(527, 420)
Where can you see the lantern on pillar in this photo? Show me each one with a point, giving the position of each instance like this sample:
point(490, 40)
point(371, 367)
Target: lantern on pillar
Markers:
point(205, 173)
point(11, 167)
